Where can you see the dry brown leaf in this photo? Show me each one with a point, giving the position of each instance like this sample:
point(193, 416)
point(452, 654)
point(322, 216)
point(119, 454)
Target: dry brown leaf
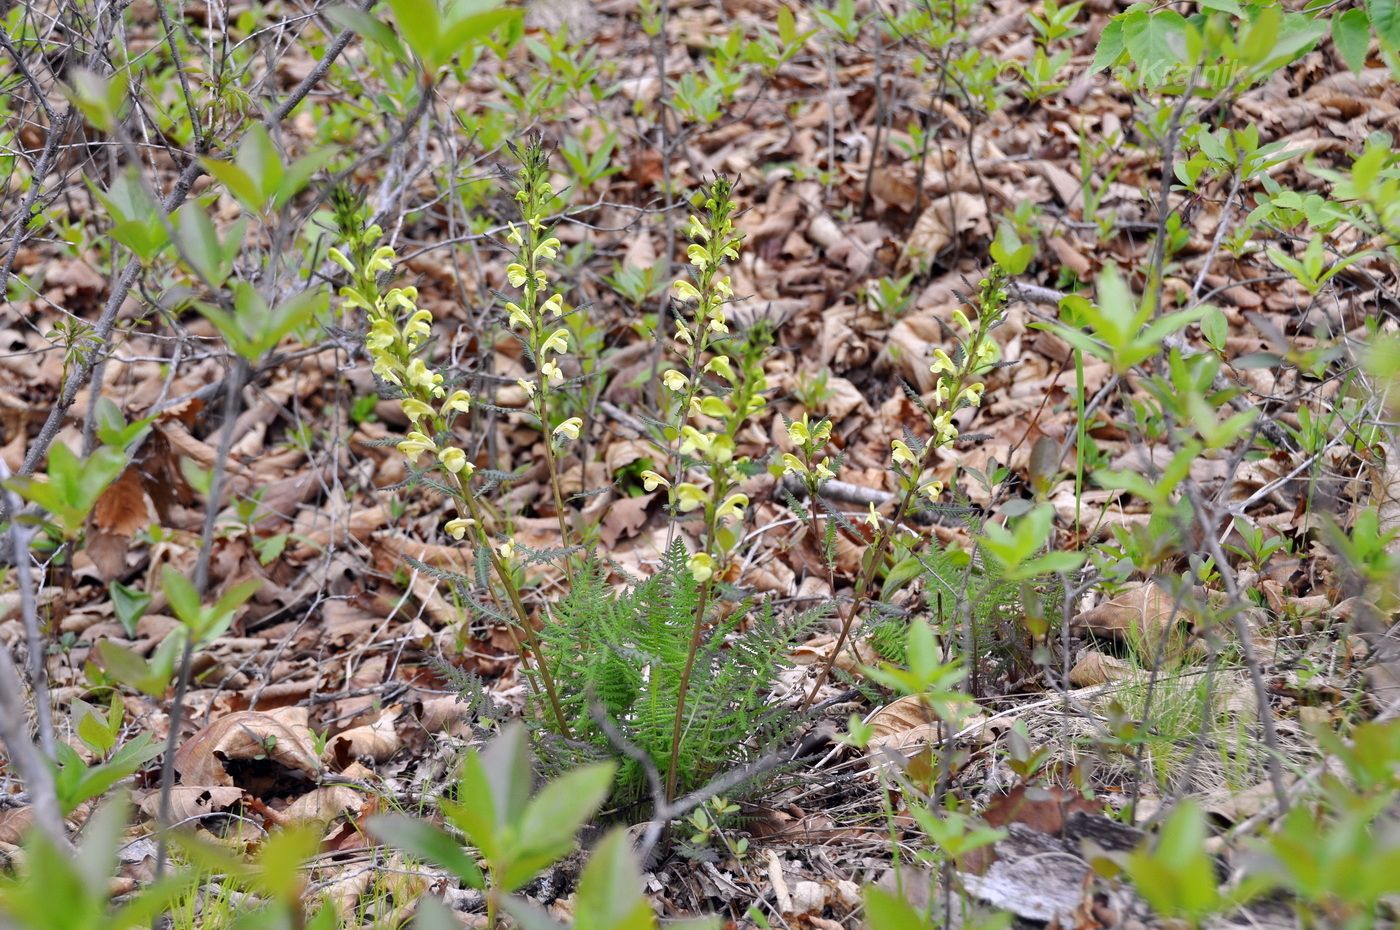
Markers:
point(378, 740)
point(191, 801)
point(122, 509)
point(1096, 668)
point(626, 516)
point(324, 804)
point(247, 736)
point(1140, 613)
point(942, 222)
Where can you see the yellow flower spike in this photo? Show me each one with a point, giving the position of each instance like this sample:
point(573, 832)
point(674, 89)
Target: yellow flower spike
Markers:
point(416, 409)
point(689, 497)
point(515, 274)
point(973, 393)
point(941, 362)
point(792, 465)
point(903, 455)
point(415, 444)
point(733, 507)
point(798, 432)
point(339, 258)
point(873, 517)
point(651, 481)
point(551, 372)
point(514, 237)
point(554, 305)
point(458, 401)
point(547, 249)
point(527, 386)
point(558, 341)
point(702, 567)
point(569, 428)
point(685, 290)
point(932, 490)
point(518, 317)
point(719, 365)
point(960, 319)
point(457, 528)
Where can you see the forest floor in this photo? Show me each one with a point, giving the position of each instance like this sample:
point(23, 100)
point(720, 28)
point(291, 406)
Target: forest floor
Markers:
point(870, 195)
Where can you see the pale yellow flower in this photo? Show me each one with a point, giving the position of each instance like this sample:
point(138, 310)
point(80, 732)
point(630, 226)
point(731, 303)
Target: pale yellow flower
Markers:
point(459, 401)
point(720, 365)
point(551, 372)
point(942, 362)
point(416, 409)
point(674, 380)
point(569, 428)
point(689, 497)
point(903, 455)
point(339, 258)
point(733, 507)
point(518, 317)
point(516, 274)
point(651, 481)
point(457, 528)
point(558, 341)
point(702, 567)
point(453, 459)
point(415, 444)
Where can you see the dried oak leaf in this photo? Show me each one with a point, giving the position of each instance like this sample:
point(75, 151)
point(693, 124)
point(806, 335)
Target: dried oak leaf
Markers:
point(378, 740)
point(626, 516)
point(121, 509)
point(1140, 610)
point(280, 737)
point(191, 801)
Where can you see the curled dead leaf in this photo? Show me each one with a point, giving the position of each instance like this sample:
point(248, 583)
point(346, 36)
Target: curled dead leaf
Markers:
point(324, 804)
point(188, 802)
point(276, 737)
point(1096, 668)
point(1140, 613)
point(378, 740)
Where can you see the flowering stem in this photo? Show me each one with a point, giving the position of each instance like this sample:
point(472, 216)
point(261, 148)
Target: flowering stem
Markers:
point(954, 386)
point(467, 508)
